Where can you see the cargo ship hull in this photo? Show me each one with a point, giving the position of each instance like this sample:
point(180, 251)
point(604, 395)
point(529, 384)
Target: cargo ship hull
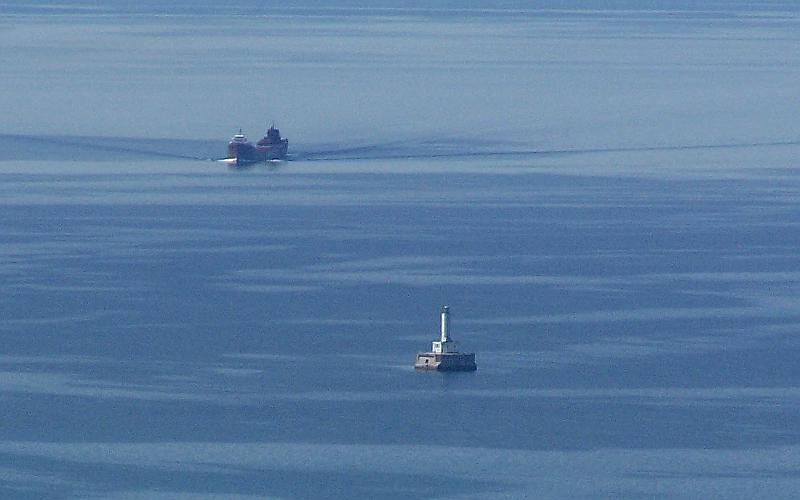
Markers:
point(247, 153)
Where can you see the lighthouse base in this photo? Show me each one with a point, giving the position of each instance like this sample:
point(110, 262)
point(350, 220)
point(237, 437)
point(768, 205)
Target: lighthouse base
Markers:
point(446, 361)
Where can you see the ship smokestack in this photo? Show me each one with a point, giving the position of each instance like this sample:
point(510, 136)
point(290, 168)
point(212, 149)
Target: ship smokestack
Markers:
point(445, 323)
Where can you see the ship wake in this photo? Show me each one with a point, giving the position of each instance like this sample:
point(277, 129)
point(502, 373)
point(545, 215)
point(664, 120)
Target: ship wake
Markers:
point(467, 149)
point(102, 148)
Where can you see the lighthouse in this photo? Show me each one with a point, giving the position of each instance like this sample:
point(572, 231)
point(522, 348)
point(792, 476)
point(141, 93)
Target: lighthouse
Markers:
point(444, 354)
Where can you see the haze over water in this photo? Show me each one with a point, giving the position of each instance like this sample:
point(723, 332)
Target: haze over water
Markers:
point(604, 194)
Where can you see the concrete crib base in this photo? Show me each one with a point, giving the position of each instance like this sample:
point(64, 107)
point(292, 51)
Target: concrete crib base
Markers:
point(446, 362)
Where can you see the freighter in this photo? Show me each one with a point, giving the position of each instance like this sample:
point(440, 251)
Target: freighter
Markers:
point(270, 147)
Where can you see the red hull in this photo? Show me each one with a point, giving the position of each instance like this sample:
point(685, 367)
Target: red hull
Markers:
point(246, 152)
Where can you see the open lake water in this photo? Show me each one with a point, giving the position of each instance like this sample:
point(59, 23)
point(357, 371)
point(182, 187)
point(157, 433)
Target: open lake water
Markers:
point(605, 194)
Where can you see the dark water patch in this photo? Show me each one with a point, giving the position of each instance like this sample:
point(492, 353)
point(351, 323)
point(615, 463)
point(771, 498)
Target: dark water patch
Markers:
point(225, 479)
point(491, 419)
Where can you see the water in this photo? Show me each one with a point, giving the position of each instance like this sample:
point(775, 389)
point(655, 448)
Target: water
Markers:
point(618, 246)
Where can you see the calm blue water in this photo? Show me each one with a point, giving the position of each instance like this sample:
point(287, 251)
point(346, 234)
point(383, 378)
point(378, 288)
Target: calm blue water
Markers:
point(605, 195)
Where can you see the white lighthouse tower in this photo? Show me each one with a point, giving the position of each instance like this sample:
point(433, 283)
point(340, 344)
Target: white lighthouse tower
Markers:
point(444, 355)
point(444, 344)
